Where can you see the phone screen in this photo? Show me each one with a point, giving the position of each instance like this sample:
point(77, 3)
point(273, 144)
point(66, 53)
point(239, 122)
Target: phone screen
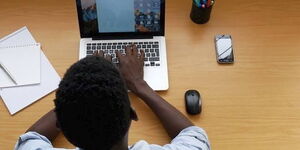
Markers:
point(224, 49)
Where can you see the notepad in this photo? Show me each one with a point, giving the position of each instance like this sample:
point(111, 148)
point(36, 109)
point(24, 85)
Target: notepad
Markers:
point(23, 64)
point(17, 98)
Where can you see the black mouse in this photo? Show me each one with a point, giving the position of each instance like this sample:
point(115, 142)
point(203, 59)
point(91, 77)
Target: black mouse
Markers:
point(193, 103)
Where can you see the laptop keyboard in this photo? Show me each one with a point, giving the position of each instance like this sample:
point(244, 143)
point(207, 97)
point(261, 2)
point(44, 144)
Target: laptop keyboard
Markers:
point(151, 49)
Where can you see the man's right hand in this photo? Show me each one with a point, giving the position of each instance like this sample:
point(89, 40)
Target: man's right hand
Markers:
point(131, 66)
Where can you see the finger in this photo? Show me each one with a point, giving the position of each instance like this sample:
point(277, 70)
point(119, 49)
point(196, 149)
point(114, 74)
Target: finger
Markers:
point(108, 57)
point(100, 53)
point(134, 50)
point(142, 57)
point(95, 53)
point(118, 54)
point(128, 50)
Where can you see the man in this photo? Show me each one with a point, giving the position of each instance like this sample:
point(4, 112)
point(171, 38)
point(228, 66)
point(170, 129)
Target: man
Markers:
point(93, 111)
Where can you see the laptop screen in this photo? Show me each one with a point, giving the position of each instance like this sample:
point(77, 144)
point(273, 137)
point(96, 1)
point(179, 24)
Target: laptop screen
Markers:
point(112, 17)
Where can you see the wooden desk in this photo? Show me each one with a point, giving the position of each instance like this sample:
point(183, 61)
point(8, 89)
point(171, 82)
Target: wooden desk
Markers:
point(253, 104)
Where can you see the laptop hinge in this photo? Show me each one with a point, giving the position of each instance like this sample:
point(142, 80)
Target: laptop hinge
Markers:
point(123, 37)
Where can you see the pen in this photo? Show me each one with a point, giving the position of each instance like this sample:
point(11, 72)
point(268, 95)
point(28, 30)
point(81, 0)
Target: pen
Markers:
point(197, 2)
point(8, 73)
point(204, 2)
point(208, 3)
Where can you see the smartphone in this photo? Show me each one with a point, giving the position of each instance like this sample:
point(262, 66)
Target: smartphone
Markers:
point(224, 49)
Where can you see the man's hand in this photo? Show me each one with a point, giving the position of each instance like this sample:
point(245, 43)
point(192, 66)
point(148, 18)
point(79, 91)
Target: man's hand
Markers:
point(131, 66)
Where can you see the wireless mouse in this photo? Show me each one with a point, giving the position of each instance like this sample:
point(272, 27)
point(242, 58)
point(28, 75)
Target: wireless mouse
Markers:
point(193, 103)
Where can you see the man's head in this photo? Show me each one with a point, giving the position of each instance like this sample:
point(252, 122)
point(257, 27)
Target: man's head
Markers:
point(92, 104)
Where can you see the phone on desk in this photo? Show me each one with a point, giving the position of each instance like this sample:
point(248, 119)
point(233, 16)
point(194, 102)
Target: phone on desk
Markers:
point(224, 49)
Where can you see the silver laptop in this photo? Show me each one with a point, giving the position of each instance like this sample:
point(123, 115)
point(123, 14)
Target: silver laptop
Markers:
point(111, 25)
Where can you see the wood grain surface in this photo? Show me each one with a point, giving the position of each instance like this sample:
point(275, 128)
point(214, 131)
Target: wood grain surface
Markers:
point(252, 104)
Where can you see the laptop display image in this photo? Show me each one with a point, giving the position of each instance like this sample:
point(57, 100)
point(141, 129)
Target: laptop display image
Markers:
point(116, 16)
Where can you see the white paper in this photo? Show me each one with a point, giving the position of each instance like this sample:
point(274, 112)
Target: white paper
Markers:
point(23, 64)
point(19, 37)
point(17, 98)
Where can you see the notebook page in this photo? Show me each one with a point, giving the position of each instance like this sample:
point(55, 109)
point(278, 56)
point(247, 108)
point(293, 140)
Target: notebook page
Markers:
point(17, 98)
point(20, 37)
point(23, 63)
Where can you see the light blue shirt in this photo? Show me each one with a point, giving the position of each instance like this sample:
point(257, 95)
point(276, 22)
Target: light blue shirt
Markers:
point(191, 138)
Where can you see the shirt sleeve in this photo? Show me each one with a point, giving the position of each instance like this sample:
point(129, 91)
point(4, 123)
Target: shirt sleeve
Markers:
point(33, 141)
point(191, 138)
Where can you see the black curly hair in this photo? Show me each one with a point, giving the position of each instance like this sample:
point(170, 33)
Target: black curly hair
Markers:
point(92, 104)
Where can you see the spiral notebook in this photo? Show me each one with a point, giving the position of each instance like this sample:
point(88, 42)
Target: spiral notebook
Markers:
point(22, 63)
point(17, 98)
